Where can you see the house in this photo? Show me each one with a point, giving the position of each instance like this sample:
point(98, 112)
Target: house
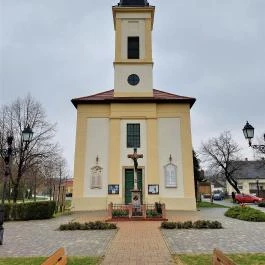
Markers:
point(68, 184)
point(218, 186)
point(250, 177)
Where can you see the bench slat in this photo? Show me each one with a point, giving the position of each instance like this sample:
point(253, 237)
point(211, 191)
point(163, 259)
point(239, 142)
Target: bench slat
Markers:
point(219, 258)
point(62, 261)
point(55, 257)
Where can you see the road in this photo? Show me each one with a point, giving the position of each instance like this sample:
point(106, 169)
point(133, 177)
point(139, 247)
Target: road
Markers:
point(229, 203)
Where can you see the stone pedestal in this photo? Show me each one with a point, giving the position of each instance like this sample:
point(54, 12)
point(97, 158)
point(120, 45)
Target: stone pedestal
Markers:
point(136, 202)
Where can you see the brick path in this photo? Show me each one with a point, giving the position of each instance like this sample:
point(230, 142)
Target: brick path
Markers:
point(138, 243)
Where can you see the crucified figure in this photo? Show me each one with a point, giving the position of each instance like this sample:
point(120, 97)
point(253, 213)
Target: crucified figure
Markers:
point(135, 157)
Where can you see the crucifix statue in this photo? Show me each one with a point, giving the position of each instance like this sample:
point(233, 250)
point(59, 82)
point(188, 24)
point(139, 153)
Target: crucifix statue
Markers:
point(135, 157)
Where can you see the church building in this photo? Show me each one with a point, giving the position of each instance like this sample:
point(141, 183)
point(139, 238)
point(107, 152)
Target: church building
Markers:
point(133, 118)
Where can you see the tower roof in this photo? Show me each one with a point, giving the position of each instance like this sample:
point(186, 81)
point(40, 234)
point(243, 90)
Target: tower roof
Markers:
point(133, 3)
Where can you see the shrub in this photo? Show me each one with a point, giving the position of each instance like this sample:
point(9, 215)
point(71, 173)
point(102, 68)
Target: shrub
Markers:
point(158, 207)
point(152, 213)
point(168, 225)
point(261, 204)
point(200, 224)
point(120, 212)
point(33, 210)
point(187, 225)
point(203, 224)
point(7, 209)
point(97, 225)
point(179, 225)
point(70, 226)
point(246, 214)
point(215, 225)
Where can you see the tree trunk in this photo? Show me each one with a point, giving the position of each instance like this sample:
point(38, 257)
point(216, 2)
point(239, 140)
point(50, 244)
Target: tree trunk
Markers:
point(15, 192)
point(17, 181)
point(196, 189)
point(233, 183)
point(9, 190)
point(35, 186)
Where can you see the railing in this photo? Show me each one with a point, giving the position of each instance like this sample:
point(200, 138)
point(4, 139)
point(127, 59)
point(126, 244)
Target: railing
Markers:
point(137, 211)
point(117, 206)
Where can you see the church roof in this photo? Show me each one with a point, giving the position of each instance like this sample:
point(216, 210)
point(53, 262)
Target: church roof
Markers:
point(108, 97)
point(133, 3)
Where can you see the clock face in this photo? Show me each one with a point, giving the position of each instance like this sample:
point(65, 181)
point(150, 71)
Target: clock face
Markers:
point(133, 79)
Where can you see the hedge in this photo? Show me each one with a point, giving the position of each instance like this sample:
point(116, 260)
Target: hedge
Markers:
point(245, 213)
point(30, 210)
point(200, 224)
point(120, 213)
point(97, 225)
point(261, 204)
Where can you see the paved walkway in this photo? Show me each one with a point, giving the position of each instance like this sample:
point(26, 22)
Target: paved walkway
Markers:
point(134, 242)
point(138, 243)
point(236, 237)
point(41, 237)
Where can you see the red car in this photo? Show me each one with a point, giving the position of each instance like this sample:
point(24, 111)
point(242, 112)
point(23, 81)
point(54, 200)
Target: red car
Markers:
point(247, 198)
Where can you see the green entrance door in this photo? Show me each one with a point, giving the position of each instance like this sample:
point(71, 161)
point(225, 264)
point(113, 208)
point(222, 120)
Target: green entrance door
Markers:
point(129, 184)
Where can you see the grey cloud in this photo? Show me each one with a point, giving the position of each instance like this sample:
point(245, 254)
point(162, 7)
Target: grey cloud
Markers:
point(212, 50)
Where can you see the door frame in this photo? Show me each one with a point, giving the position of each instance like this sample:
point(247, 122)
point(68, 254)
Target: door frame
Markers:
point(123, 182)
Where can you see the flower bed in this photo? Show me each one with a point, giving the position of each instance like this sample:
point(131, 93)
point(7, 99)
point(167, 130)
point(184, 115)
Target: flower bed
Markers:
point(245, 213)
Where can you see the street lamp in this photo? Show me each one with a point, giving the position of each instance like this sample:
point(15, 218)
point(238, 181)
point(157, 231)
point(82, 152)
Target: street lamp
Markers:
point(248, 131)
point(27, 135)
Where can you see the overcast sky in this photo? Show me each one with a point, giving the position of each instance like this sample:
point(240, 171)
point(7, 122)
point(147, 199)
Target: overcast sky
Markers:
point(213, 50)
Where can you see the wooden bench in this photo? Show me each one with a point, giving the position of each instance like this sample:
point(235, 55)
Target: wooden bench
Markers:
point(57, 258)
point(219, 258)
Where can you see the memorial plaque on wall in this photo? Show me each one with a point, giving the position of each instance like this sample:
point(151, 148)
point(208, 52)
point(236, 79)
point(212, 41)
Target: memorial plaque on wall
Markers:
point(153, 189)
point(113, 189)
point(170, 175)
point(96, 177)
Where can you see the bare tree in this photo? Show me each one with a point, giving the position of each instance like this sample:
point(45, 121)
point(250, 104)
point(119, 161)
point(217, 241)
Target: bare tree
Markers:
point(13, 119)
point(198, 173)
point(219, 154)
point(49, 170)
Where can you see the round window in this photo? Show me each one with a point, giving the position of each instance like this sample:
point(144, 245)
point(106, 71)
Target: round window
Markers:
point(133, 79)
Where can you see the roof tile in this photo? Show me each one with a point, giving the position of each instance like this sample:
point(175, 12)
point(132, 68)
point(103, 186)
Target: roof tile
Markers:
point(108, 97)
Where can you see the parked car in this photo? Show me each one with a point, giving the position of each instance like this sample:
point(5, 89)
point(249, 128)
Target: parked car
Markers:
point(218, 196)
point(247, 198)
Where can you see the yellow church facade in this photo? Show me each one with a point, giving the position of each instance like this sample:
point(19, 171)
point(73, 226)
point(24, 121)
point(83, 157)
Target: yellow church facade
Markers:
point(133, 115)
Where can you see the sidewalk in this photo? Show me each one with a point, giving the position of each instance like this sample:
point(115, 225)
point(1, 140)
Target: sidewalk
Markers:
point(138, 243)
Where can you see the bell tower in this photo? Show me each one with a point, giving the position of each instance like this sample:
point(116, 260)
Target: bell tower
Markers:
point(133, 64)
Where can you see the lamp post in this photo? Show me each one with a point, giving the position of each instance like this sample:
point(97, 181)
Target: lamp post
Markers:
point(248, 131)
point(27, 135)
point(257, 182)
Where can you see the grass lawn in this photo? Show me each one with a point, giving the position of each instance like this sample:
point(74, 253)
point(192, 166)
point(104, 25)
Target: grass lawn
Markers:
point(240, 259)
point(39, 260)
point(210, 205)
